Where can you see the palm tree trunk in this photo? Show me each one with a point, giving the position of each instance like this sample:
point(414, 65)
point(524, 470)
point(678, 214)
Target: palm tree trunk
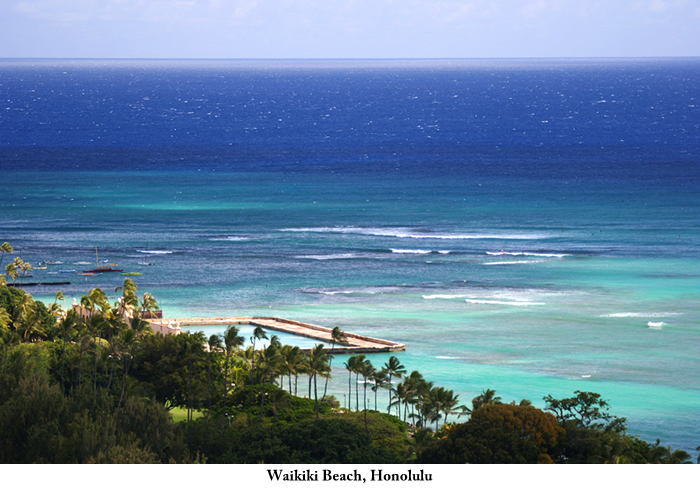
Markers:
point(315, 396)
point(127, 362)
point(388, 407)
point(225, 382)
point(325, 388)
point(209, 380)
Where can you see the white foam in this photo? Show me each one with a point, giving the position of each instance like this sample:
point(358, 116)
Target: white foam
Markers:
point(511, 262)
point(230, 239)
point(531, 254)
point(443, 296)
point(155, 252)
point(410, 233)
point(446, 357)
point(405, 251)
point(655, 325)
point(660, 314)
point(328, 257)
point(497, 302)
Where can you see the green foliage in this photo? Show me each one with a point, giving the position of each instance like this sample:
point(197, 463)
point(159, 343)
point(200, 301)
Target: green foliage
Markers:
point(317, 441)
point(499, 434)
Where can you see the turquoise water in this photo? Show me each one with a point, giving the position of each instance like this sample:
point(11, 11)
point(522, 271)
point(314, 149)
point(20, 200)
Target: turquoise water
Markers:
point(526, 227)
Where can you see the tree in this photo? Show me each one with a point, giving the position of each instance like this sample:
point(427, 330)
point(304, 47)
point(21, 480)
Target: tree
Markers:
point(355, 364)
point(337, 336)
point(232, 342)
point(11, 271)
point(5, 248)
point(498, 434)
point(258, 334)
point(367, 371)
point(487, 397)
point(214, 343)
point(380, 380)
point(393, 368)
point(586, 410)
point(318, 364)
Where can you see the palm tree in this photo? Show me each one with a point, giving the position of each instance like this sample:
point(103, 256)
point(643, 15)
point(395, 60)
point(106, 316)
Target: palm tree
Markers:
point(669, 456)
point(318, 364)
point(55, 309)
point(214, 343)
point(393, 368)
point(8, 338)
point(268, 367)
point(28, 324)
point(380, 380)
point(128, 302)
point(356, 362)
point(96, 324)
point(337, 336)
point(415, 385)
point(487, 397)
point(148, 305)
point(24, 267)
point(350, 366)
point(232, 341)
point(5, 320)
point(401, 392)
point(5, 248)
point(367, 371)
point(127, 341)
point(11, 271)
point(292, 358)
point(67, 328)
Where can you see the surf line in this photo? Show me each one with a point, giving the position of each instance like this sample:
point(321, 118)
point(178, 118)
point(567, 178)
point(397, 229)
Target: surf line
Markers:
point(356, 344)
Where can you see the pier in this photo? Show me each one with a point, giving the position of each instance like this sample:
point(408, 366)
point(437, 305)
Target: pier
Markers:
point(356, 344)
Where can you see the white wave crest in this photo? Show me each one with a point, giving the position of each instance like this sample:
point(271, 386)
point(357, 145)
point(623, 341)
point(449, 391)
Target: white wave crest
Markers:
point(328, 257)
point(497, 302)
point(511, 262)
point(655, 325)
point(229, 239)
point(443, 296)
point(660, 314)
point(446, 357)
point(155, 252)
point(410, 233)
point(530, 254)
point(408, 251)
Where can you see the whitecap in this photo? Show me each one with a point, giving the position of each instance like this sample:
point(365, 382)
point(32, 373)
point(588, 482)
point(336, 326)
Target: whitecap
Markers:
point(411, 233)
point(497, 302)
point(660, 314)
point(530, 254)
point(155, 252)
point(405, 251)
point(446, 357)
point(511, 262)
point(229, 239)
point(443, 296)
point(655, 325)
point(328, 257)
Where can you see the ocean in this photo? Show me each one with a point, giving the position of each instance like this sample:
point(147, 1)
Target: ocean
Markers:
point(528, 226)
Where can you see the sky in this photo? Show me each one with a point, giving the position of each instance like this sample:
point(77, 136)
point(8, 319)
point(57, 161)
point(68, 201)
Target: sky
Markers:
point(348, 29)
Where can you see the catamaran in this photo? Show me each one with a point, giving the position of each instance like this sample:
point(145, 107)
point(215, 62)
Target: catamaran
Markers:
point(99, 269)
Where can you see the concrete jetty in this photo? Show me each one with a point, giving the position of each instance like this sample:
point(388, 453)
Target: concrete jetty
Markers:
point(356, 344)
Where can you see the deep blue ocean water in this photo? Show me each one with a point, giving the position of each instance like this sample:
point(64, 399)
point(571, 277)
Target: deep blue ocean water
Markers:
point(526, 226)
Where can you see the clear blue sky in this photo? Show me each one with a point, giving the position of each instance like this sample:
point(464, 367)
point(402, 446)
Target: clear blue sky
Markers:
point(348, 28)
